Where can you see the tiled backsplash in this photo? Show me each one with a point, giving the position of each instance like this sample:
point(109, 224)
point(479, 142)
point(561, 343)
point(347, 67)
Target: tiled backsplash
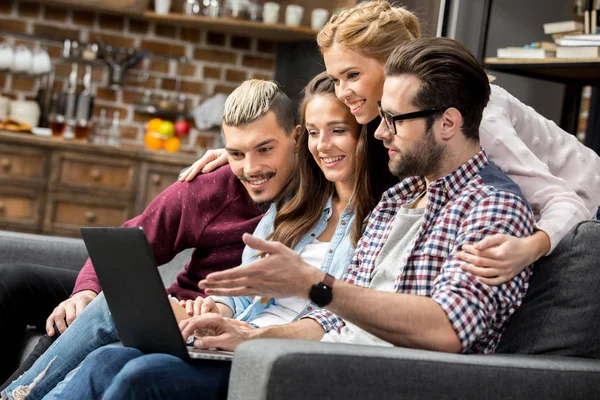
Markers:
point(217, 62)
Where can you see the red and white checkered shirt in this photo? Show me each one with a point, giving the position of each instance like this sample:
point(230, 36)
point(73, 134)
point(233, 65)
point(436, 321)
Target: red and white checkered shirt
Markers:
point(474, 201)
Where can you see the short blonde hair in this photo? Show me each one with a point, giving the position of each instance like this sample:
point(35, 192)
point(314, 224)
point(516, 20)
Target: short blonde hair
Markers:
point(373, 29)
point(253, 99)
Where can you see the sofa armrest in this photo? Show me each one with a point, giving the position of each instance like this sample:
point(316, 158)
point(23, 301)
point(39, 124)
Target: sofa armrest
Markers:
point(289, 369)
point(51, 251)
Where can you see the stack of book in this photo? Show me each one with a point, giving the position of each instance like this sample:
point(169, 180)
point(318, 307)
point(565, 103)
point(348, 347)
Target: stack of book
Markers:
point(576, 39)
point(558, 29)
point(572, 39)
point(537, 50)
point(578, 46)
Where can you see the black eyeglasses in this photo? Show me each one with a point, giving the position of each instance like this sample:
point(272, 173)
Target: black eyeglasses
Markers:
point(390, 120)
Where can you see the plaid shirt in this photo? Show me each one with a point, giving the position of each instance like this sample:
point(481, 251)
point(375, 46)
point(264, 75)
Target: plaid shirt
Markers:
point(473, 202)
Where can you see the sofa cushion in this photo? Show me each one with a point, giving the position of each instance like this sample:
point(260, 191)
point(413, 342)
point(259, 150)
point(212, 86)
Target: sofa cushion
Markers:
point(560, 314)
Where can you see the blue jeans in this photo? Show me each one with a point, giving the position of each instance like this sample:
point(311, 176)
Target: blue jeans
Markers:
point(115, 373)
point(92, 329)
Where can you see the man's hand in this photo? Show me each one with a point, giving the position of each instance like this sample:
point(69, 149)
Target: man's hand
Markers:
point(66, 312)
point(200, 306)
point(215, 331)
point(210, 161)
point(282, 273)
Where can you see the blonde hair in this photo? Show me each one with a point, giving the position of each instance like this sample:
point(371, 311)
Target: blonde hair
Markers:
point(253, 99)
point(373, 29)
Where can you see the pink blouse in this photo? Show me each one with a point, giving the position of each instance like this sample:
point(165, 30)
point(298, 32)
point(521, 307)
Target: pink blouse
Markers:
point(558, 175)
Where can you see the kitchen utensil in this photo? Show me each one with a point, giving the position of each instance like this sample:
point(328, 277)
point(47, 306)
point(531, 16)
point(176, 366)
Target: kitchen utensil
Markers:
point(210, 8)
point(56, 117)
point(6, 56)
point(191, 7)
point(4, 107)
point(318, 18)
point(119, 61)
point(71, 93)
point(26, 111)
point(162, 6)
point(293, 15)
point(21, 59)
point(85, 104)
point(270, 12)
point(44, 97)
point(40, 62)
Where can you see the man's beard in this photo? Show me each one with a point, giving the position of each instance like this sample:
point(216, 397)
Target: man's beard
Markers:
point(422, 159)
point(264, 205)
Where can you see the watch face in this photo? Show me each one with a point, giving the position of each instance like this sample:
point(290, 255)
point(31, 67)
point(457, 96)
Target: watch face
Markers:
point(320, 294)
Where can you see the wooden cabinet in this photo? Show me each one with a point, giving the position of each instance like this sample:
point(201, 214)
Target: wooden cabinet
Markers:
point(56, 187)
point(82, 172)
point(23, 164)
point(65, 214)
point(20, 209)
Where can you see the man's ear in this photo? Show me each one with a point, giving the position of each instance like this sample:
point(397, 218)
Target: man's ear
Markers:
point(296, 133)
point(452, 122)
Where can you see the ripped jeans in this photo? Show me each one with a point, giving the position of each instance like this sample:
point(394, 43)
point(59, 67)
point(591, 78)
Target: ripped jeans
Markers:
point(92, 329)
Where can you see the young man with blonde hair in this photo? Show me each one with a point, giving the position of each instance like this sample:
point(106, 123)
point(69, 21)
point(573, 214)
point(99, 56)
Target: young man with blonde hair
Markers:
point(209, 214)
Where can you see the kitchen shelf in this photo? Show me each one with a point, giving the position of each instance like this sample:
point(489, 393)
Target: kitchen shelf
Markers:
point(583, 71)
point(276, 32)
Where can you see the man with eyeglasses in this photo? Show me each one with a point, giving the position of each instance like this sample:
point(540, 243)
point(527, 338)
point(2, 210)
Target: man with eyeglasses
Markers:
point(404, 286)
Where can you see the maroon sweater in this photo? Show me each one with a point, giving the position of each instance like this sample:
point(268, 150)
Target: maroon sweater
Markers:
point(209, 214)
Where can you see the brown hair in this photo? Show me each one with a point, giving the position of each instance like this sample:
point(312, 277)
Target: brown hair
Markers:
point(449, 75)
point(373, 29)
point(297, 216)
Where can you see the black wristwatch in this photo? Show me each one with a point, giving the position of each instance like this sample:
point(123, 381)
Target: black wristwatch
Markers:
point(321, 294)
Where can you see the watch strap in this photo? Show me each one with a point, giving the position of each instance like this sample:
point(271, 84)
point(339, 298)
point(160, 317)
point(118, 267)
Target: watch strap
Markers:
point(328, 280)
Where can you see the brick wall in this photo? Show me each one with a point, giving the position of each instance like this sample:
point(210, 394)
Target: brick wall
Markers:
point(217, 62)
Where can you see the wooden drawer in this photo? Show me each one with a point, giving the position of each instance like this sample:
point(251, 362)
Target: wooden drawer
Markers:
point(21, 163)
point(65, 214)
point(154, 178)
point(94, 174)
point(20, 209)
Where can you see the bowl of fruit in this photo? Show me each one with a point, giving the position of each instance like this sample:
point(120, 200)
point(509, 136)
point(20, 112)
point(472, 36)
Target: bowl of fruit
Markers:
point(165, 135)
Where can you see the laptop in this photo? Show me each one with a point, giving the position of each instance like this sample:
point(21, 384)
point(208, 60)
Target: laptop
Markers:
point(136, 297)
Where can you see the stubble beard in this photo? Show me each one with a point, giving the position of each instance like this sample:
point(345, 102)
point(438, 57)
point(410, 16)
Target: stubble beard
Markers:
point(422, 159)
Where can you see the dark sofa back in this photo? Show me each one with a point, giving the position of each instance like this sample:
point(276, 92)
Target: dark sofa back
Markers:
point(560, 314)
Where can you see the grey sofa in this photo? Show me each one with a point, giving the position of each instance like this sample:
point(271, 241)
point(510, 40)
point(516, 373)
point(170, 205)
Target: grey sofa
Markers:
point(558, 325)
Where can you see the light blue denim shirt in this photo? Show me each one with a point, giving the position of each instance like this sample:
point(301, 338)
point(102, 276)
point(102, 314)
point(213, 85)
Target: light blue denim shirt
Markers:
point(337, 259)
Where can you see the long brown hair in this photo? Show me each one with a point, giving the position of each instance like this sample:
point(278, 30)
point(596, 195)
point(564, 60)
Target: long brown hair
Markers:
point(301, 213)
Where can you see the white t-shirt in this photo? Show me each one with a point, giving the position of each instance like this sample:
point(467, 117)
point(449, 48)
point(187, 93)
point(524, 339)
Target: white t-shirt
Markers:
point(387, 267)
point(284, 311)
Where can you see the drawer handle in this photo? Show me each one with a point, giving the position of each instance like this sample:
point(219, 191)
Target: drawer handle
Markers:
point(6, 164)
point(90, 216)
point(96, 174)
point(156, 179)
point(2, 207)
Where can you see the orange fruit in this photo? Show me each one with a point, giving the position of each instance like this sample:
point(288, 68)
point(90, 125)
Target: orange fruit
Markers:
point(153, 142)
point(154, 124)
point(172, 145)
